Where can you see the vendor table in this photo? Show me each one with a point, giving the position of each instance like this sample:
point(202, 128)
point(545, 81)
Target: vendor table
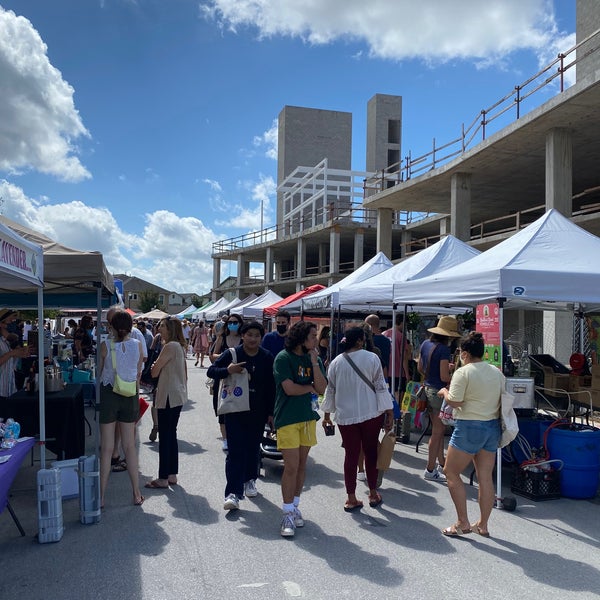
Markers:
point(65, 429)
point(8, 472)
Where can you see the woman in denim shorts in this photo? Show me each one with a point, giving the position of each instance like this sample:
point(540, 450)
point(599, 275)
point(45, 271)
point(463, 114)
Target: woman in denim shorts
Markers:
point(474, 394)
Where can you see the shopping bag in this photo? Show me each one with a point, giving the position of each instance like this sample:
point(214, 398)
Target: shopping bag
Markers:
point(508, 419)
point(143, 403)
point(386, 451)
point(234, 393)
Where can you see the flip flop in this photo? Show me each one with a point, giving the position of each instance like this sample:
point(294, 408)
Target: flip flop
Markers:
point(172, 482)
point(375, 500)
point(155, 485)
point(479, 531)
point(352, 506)
point(455, 531)
point(139, 502)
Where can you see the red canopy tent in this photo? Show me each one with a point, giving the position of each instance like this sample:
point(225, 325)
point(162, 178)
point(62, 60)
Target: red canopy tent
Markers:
point(271, 311)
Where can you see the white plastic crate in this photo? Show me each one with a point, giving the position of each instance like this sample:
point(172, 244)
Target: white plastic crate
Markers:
point(50, 534)
point(50, 521)
point(69, 480)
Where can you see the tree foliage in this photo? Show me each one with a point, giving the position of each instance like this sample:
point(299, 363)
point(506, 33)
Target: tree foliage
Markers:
point(149, 300)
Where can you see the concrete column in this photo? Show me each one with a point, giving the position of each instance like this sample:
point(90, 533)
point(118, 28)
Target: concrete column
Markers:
point(216, 272)
point(334, 250)
point(243, 269)
point(323, 267)
point(406, 237)
point(269, 258)
point(300, 258)
point(460, 206)
point(359, 244)
point(445, 227)
point(385, 218)
point(559, 171)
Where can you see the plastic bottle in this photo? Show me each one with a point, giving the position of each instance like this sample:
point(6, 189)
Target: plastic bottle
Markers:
point(314, 399)
point(11, 433)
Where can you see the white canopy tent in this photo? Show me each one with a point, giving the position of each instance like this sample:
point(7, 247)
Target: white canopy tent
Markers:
point(213, 311)
point(238, 308)
point(378, 291)
point(186, 311)
point(548, 265)
point(254, 310)
point(328, 299)
point(22, 270)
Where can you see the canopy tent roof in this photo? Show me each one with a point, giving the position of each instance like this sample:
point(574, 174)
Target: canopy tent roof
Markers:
point(155, 314)
point(255, 309)
point(546, 265)
point(186, 312)
point(72, 278)
point(328, 298)
point(21, 261)
point(237, 309)
point(214, 310)
point(198, 313)
point(271, 311)
point(231, 304)
point(378, 291)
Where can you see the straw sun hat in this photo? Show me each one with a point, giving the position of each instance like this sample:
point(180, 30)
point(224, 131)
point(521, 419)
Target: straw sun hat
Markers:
point(447, 326)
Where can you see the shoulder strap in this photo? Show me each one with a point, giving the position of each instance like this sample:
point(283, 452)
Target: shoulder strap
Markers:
point(112, 354)
point(233, 354)
point(359, 372)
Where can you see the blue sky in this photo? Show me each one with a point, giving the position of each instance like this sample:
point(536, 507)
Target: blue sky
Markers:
point(146, 129)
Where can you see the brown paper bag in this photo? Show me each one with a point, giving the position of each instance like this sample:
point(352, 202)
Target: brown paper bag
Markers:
point(386, 451)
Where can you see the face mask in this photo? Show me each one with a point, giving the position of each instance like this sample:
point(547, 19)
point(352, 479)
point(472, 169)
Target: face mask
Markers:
point(233, 327)
point(281, 329)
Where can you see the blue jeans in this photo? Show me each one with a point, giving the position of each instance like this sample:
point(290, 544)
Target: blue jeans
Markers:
point(473, 436)
point(168, 449)
point(244, 434)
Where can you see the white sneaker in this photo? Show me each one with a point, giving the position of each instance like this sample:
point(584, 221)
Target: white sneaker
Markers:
point(298, 520)
point(361, 476)
point(250, 490)
point(434, 475)
point(288, 526)
point(231, 502)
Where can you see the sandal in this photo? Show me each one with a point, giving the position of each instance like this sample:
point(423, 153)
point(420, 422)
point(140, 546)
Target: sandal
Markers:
point(172, 481)
point(153, 434)
point(375, 500)
point(352, 506)
point(156, 486)
point(455, 531)
point(138, 502)
point(480, 531)
point(118, 465)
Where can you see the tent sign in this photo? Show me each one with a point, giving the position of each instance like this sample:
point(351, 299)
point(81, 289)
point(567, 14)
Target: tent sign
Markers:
point(17, 258)
point(487, 318)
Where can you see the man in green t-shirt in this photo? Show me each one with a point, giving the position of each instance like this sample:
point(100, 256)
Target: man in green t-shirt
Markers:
point(300, 378)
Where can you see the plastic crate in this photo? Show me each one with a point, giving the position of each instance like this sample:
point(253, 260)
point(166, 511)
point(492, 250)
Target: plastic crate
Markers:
point(536, 485)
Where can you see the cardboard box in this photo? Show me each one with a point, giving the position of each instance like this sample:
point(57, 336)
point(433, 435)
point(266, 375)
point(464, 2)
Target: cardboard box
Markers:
point(584, 381)
point(586, 396)
point(554, 381)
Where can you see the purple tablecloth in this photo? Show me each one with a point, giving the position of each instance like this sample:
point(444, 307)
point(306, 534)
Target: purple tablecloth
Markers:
point(9, 469)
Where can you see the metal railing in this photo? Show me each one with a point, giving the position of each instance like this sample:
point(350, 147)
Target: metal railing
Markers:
point(410, 166)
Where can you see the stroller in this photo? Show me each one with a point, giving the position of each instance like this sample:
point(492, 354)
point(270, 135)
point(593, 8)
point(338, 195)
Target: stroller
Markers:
point(268, 446)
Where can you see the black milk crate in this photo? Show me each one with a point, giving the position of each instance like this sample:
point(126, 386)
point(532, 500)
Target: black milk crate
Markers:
point(536, 485)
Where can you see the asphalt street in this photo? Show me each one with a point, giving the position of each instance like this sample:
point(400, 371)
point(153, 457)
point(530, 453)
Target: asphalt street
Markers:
point(182, 544)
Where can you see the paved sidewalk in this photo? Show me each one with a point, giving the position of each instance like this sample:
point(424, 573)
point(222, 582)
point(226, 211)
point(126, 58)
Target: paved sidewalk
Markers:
point(182, 544)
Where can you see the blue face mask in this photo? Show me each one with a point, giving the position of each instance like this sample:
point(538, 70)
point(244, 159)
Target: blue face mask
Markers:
point(233, 327)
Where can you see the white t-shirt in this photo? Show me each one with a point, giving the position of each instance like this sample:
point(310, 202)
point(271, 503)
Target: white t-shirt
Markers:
point(477, 386)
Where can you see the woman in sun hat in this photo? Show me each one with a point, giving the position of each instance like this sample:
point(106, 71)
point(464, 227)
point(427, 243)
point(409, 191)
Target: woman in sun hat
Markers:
point(434, 365)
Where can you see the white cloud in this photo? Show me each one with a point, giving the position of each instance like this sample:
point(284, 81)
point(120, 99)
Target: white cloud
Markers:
point(269, 139)
point(173, 252)
point(38, 120)
point(214, 185)
point(435, 31)
point(249, 216)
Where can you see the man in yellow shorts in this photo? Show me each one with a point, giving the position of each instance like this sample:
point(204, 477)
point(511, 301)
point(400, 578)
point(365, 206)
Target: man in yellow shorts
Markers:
point(299, 378)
